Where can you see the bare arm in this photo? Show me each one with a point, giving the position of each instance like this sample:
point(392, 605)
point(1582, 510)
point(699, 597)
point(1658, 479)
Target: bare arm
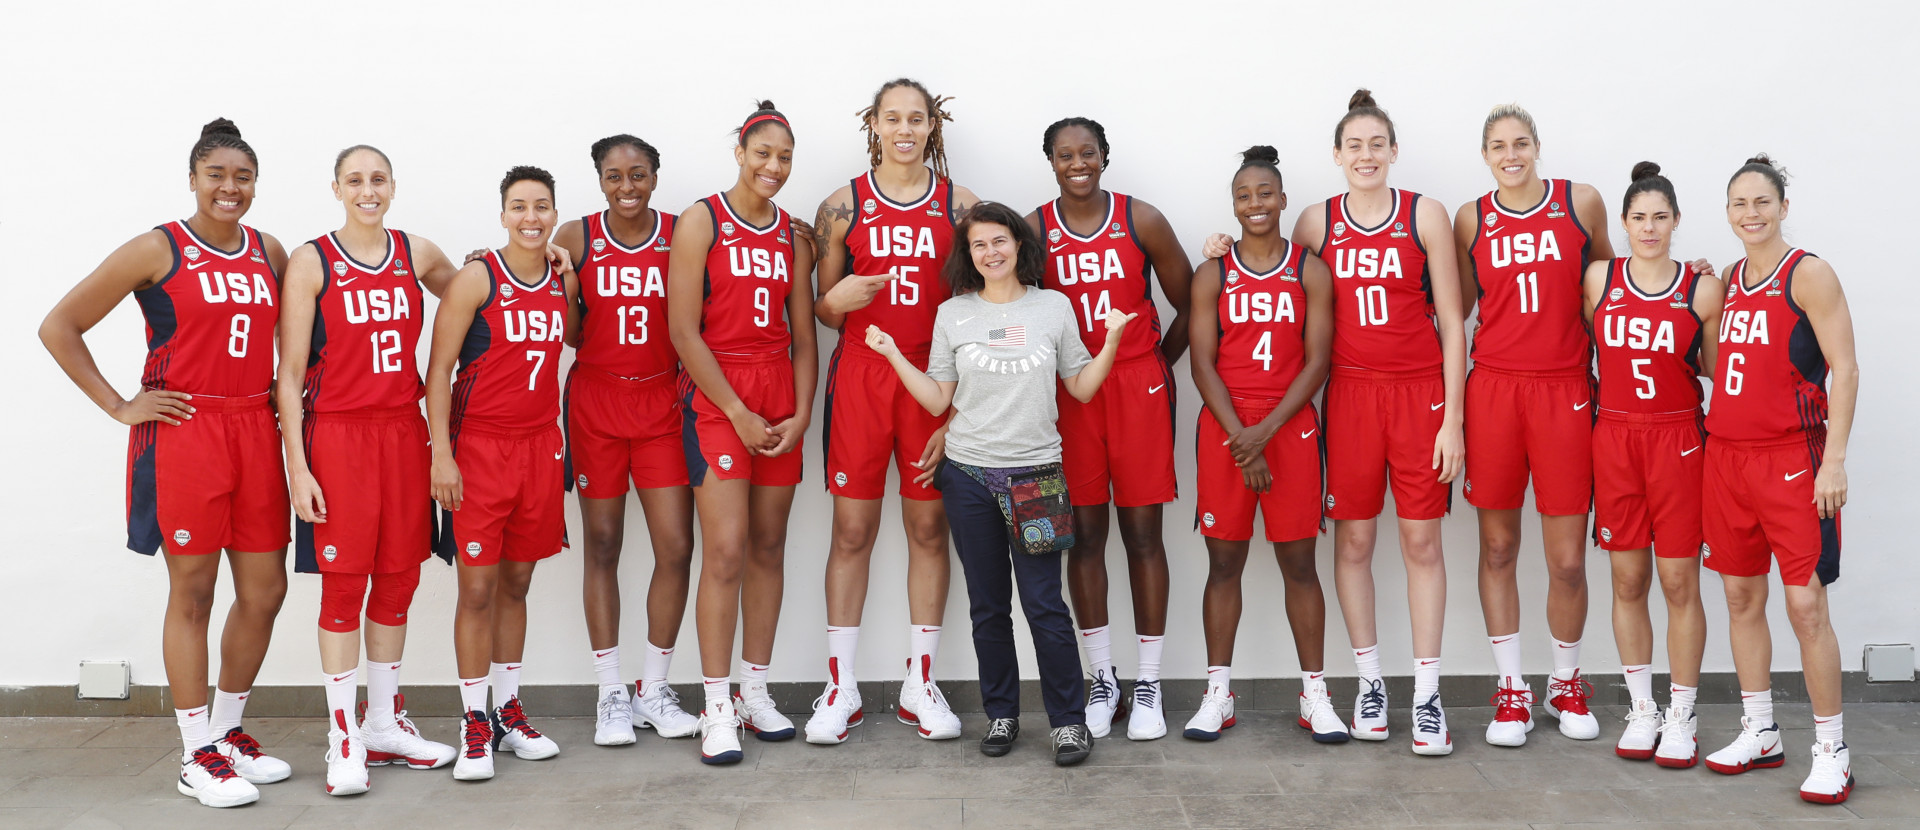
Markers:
point(1443, 267)
point(839, 291)
point(934, 395)
point(1175, 270)
point(1466, 223)
point(573, 238)
point(1205, 340)
point(465, 293)
point(1086, 384)
point(1310, 230)
point(806, 355)
point(1592, 211)
point(1816, 288)
point(1709, 298)
point(1592, 282)
point(137, 264)
point(431, 265)
point(686, 282)
point(299, 294)
point(1318, 360)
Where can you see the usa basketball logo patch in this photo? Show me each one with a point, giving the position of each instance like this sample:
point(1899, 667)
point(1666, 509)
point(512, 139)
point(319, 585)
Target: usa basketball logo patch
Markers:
point(339, 269)
point(1339, 228)
point(1053, 235)
point(330, 553)
point(506, 289)
point(840, 479)
point(1616, 293)
point(473, 550)
point(582, 480)
point(181, 536)
point(191, 252)
point(726, 462)
point(726, 228)
point(1207, 519)
point(599, 245)
point(870, 207)
point(1490, 219)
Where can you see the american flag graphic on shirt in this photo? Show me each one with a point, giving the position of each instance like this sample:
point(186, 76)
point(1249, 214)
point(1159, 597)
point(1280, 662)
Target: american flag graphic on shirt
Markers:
point(1009, 336)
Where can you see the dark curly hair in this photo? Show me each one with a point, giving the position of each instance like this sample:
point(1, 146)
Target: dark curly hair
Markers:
point(525, 173)
point(1028, 264)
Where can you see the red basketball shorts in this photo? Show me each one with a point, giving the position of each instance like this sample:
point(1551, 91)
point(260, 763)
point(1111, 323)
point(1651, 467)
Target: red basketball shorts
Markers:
point(513, 488)
point(216, 481)
point(374, 470)
point(621, 429)
point(764, 383)
point(1380, 430)
point(1291, 505)
point(1119, 446)
point(871, 420)
point(1758, 507)
point(1538, 423)
point(1646, 482)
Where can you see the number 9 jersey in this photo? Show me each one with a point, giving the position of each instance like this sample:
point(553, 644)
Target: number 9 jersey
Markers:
point(749, 275)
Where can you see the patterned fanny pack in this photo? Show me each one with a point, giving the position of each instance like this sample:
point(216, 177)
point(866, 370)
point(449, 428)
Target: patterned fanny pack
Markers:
point(1034, 502)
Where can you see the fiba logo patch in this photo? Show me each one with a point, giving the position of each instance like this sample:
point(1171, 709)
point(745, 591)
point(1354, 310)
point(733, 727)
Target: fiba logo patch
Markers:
point(181, 537)
point(1554, 211)
point(192, 252)
point(330, 553)
point(726, 228)
point(1616, 294)
point(726, 462)
point(473, 549)
point(582, 479)
point(1053, 235)
point(1606, 535)
point(870, 207)
point(840, 479)
point(1207, 519)
point(934, 208)
point(599, 245)
point(339, 269)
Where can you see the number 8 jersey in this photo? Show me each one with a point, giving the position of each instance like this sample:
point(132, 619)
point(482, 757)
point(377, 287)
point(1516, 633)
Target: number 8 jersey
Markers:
point(366, 324)
point(749, 275)
point(509, 374)
point(1262, 325)
point(210, 319)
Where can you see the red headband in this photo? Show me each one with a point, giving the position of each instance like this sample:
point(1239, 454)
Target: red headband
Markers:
point(772, 116)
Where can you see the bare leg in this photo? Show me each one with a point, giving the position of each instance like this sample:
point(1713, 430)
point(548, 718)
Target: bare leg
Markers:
point(1565, 538)
point(605, 523)
point(723, 554)
point(1220, 606)
point(1499, 555)
point(1632, 625)
point(765, 577)
point(1686, 619)
point(856, 523)
point(929, 565)
point(259, 586)
point(1306, 603)
point(1087, 566)
point(1146, 568)
point(183, 635)
point(669, 512)
point(1353, 541)
point(1426, 564)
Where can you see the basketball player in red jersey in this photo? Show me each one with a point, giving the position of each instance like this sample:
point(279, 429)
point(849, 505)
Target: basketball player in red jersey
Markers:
point(1102, 251)
point(357, 457)
point(1776, 474)
point(745, 336)
point(498, 466)
point(1262, 334)
point(1522, 250)
point(203, 465)
point(1648, 313)
point(621, 411)
point(882, 241)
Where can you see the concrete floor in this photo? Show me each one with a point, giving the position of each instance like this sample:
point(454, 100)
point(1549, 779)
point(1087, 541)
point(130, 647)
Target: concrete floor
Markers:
point(115, 772)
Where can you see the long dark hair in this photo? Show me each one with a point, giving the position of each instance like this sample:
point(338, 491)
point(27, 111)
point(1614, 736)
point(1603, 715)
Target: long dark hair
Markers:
point(1028, 264)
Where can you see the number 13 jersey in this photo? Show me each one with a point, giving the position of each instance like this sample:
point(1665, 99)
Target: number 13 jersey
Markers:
point(623, 301)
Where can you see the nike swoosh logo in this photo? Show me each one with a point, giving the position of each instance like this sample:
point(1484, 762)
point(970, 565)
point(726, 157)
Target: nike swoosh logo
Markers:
point(556, 456)
point(1053, 248)
point(1428, 662)
point(1151, 639)
point(343, 283)
point(513, 668)
point(1564, 645)
point(1497, 642)
point(338, 621)
point(1491, 232)
point(1688, 452)
point(1309, 433)
point(1796, 475)
point(1436, 406)
point(928, 630)
point(598, 257)
point(195, 266)
point(475, 682)
point(729, 241)
point(1336, 241)
point(864, 220)
point(344, 676)
point(505, 303)
point(602, 653)
point(1612, 306)
point(966, 321)
point(1635, 671)
point(1156, 389)
point(1235, 287)
point(1579, 406)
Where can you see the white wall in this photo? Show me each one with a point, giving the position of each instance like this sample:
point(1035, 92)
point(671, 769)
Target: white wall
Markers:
point(103, 104)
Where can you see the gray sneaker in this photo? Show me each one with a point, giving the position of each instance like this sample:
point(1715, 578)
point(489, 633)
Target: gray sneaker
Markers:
point(1071, 745)
point(1001, 733)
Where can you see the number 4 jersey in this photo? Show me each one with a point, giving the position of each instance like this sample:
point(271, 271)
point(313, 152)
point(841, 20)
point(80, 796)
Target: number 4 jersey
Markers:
point(366, 323)
point(1262, 325)
point(510, 363)
point(210, 319)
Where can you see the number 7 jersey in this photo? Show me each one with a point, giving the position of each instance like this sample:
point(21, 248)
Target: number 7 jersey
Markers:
point(509, 374)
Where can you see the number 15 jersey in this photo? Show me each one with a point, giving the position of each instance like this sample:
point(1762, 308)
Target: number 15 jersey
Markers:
point(910, 241)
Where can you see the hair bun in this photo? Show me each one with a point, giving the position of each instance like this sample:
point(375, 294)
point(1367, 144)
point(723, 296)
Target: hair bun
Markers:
point(1260, 153)
point(1362, 98)
point(765, 105)
point(1644, 170)
point(220, 126)
point(1765, 159)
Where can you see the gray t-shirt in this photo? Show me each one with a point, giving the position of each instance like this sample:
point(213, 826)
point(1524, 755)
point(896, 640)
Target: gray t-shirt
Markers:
point(1005, 357)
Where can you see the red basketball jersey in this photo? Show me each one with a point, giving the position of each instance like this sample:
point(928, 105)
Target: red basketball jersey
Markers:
point(749, 275)
point(366, 323)
point(510, 364)
point(623, 301)
point(1108, 270)
point(1382, 295)
point(1648, 345)
point(1263, 318)
point(1529, 265)
point(909, 240)
point(1772, 374)
point(210, 319)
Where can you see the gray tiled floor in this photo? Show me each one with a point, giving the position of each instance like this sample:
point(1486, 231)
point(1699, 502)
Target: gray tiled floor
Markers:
point(109, 773)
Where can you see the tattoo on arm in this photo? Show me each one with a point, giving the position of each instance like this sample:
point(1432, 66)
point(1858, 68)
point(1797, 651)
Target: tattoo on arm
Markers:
point(823, 223)
point(960, 213)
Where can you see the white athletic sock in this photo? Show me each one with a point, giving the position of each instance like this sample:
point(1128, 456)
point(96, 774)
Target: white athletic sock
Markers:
point(715, 689)
point(1311, 681)
point(1566, 659)
point(924, 642)
point(1682, 697)
point(1426, 678)
point(1758, 707)
point(654, 668)
point(506, 682)
point(842, 643)
point(1366, 661)
point(606, 668)
point(1098, 645)
point(226, 711)
point(1150, 657)
point(1639, 682)
point(752, 675)
point(383, 691)
point(194, 731)
point(1219, 679)
point(473, 693)
point(341, 690)
point(1506, 656)
point(1827, 728)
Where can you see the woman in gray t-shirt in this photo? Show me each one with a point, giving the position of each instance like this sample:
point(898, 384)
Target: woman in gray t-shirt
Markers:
point(998, 345)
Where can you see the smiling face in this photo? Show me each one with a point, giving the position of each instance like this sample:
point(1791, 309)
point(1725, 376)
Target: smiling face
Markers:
point(365, 186)
point(528, 215)
point(995, 251)
point(1755, 209)
point(766, 159)
point(1258, 200)
point(1511, 152)
point(1077, 161)
point(1366, 151)
point(222, 184)
point(626, 179)
point(903, 124)
point(1649, 223)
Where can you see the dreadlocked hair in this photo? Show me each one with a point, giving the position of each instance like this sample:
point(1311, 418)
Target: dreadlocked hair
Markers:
point(216, 134)
point(936, 152)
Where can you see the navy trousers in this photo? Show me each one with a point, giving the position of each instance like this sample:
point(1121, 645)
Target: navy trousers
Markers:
point(993, 569)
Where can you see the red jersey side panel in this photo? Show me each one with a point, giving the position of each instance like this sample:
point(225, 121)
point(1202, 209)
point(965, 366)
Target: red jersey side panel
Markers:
point(623, 298)
point(510, 363)
point(1529, 264)
point(1772, 373)
point(210, 319)
point(366, 325)
point(749, 275)
point(1106, 271)
point(1648, 345)
point(1262, 325)
point(911, 241)
point(1382, 293)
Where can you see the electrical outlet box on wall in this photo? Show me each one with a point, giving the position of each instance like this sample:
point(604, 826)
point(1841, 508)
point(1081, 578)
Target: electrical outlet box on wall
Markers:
point(105, 679)
point(1889, 663)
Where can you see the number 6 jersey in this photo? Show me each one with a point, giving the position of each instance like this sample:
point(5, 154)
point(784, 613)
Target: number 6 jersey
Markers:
point(366, 323)
point(510, 362)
